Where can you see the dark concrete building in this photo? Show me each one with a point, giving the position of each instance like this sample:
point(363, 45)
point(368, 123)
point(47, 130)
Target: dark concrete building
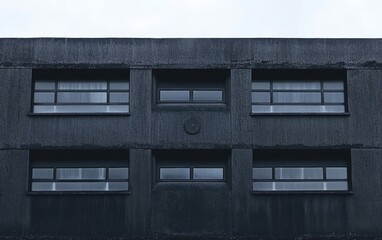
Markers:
point(190, 138)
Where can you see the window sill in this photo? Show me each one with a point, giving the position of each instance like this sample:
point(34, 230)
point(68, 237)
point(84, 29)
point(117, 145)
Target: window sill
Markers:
point(302, 192)
point(190, 107)
point(346, 114)
point(79, 193)
point(77, 114)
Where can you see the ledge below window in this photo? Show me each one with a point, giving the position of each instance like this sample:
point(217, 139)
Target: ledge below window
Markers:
point(302, 192)
point(346, 114)
point(79, 193)
point(77, 114)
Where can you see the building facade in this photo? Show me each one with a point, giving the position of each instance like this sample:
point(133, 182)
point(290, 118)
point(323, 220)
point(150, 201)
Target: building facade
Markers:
point(190, 138)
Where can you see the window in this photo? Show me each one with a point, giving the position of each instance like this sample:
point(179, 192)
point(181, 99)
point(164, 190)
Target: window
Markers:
point(79, 171)
point(191, 165)
point(191, 86)
point(81, 91)
point(300, 170)
point(298, 91)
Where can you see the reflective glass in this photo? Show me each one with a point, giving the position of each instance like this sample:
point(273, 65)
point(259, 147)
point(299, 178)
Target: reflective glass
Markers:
point(296, 85)
point(118, 186)
point(208, 95)
point(298, 109)
point(118, 173)
point(78, 85)
point(261, 85)
point(209, 173)
point(80, 173)
point(119, 85)
point(43, 97)
point(296, 97)
point(262, 173)
point(336, 186)
point(263, 186)
point(43, 186)
point(333, 85)
point(174, 95)
point(299, 173)
point(44, 85)
point(81, 109)
point(174, 173)
point(81, 186)
point(336, 173)
point(261, 97)
point(81, 97)
point(299, 186)
point(42, 173)
point(334, 97)
point(119, 97)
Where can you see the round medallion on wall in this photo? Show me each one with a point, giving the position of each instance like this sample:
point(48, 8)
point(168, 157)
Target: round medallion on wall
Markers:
point(192, 126)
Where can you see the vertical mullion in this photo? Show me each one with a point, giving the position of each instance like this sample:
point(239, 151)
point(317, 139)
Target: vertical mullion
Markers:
point(271, 90)
point(191, 173)
point(55, 91)
point(322, 91)
point(191, 95)
point(108, 93)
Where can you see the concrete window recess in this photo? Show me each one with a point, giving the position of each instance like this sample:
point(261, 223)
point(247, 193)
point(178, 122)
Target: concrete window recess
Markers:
point(300, 170)
point(81, 91)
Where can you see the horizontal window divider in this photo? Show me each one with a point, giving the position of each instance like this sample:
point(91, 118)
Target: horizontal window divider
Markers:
point(82, 104)
point(339, 192)
point(300, 180)
point(80, 180)
point(296, 91)
point(39, 193)
point(300, 104)
point(344, 114)
point(32, 114)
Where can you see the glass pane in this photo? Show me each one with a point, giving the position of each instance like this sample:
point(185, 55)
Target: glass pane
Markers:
point(119, 86)
point(81, 186)
point(296, 85)
point(336, 173)
point(296, 97)
point(43, 186)
point(334, 97)
point(44, 97)
point(299, 173)
point(118, 173)
point(42, 173)
point(208, 96)
point(336, 186)
point(298, 109)
point(80, 173)
point(261, 85)
point(118, 186)
point(173, 95)
point(334, 85)
point(261, 97)
point(262, 173)
point(44, 85)
point(263, 186)
point(81, 97)
point(209, 173)
point(174, 173)
point(116, 97)
point(299, 186)
point(63, 85)
point(81, 109)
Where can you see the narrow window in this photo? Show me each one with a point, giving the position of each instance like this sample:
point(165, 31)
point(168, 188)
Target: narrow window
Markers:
point(191, 86)
point(298, 91)
point(191, 165)
point(81, 91)
point(300, 170)
point(79, 171)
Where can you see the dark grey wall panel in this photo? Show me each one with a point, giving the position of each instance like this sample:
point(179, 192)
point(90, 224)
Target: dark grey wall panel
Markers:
point(168, 129)
point(157, 53)
point(14, 204)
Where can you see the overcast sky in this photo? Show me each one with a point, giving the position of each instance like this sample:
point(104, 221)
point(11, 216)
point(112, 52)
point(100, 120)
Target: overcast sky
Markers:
point(191, 18)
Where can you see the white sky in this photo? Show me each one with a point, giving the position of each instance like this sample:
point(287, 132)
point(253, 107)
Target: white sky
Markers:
point(191, 18)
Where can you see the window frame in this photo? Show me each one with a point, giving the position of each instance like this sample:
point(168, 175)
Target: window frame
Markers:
point(169, 74)
point(81, 75)
point(221, 159)
point(293, 160)
point(36, 163)
point(323, 75)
